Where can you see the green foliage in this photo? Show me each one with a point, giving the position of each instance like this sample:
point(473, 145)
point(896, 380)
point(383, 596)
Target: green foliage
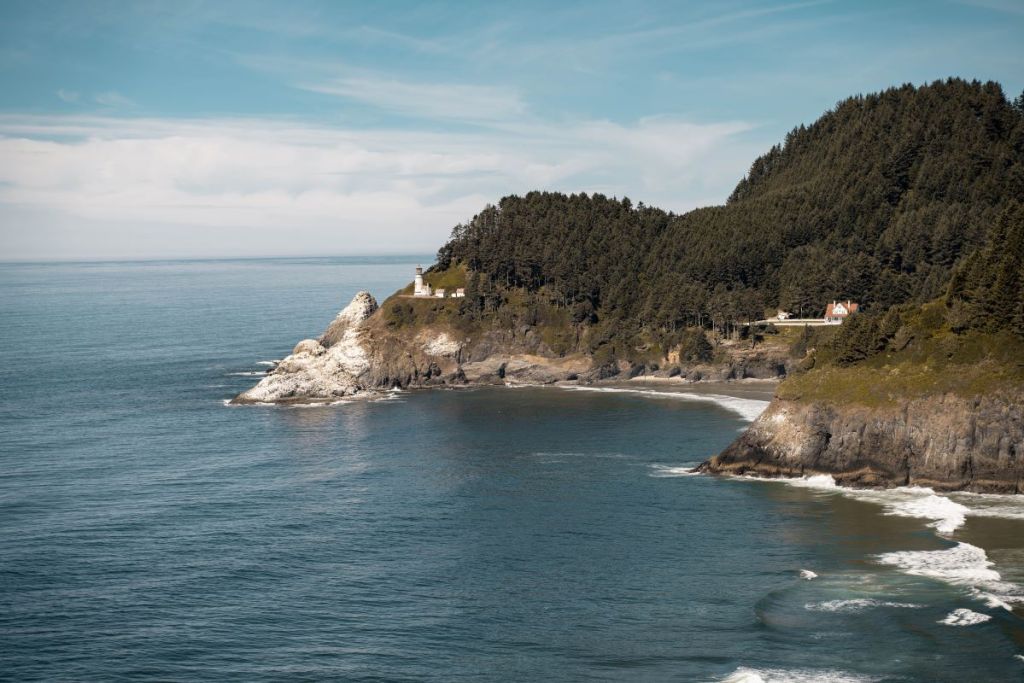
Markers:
point(883, 200)
point(400, 314)
point(861, 338)
point(695, 347)
point(451, 278)
point(924, 358)
point(987, 291)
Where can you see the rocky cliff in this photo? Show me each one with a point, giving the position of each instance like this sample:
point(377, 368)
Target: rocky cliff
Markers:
point(947, 442)
point(360, 353)
point(363, 351)
point(944, 440)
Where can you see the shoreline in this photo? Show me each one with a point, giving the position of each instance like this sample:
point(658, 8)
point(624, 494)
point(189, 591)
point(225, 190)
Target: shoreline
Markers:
point(749, 389)
point(969, 534)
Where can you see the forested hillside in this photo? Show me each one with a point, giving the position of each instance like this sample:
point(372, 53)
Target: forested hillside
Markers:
point(883, 200)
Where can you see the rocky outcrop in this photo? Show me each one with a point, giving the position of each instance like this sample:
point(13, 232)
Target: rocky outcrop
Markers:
point(946, 442)
point(360, 354)
point(334, 366)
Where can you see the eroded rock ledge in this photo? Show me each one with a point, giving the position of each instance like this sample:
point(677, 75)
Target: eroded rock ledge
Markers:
point(945, 442)
point(359, 354)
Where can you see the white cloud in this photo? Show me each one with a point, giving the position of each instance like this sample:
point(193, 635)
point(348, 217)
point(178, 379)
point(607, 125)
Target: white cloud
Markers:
point(428, 100)
point(69, 96)
point(236, 186)
point(114, 100)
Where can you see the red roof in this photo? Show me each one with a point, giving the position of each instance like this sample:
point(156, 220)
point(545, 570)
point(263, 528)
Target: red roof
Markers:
point(850, 307)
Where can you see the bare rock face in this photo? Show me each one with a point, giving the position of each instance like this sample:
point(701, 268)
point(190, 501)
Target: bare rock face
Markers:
point(946, 442)
point(361, 353)
point(324, 370)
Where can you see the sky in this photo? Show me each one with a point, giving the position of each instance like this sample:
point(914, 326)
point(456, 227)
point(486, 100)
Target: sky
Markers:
point(147, 130)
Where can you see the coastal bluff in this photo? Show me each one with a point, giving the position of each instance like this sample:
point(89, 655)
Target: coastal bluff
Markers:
point(946, 442)
point(361, 354)
point(942, 439)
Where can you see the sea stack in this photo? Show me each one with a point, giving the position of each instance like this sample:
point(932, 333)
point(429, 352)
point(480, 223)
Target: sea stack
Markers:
point(324, 369)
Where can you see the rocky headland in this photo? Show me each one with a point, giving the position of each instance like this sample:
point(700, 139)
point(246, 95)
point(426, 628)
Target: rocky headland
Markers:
point(944, 438)
point(361, 353)
point(876, 203)
point(946, 442)
point(941, 438)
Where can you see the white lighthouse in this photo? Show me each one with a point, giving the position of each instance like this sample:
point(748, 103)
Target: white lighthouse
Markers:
point(418, 287)
point(421, 288)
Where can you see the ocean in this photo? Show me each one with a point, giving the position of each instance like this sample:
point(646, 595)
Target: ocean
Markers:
point(150, 532)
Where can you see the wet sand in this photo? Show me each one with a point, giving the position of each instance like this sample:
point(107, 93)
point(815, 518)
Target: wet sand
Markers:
point(754, 389)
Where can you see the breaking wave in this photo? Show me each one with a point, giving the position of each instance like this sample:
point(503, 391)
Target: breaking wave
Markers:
point(674, 471)
point(964, 617)
point(745, 675)
point(946, 512)
point(856, 605)
point(962, 565)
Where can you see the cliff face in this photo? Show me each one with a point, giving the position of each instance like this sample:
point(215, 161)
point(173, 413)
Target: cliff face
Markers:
point(336, 365)
point(360, 353)
point(946, 442)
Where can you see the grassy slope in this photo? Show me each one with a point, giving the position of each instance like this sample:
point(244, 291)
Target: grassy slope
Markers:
point(933, 360)
point(401, 311)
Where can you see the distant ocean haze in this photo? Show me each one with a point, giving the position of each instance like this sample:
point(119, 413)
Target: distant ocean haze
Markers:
point(147, 531)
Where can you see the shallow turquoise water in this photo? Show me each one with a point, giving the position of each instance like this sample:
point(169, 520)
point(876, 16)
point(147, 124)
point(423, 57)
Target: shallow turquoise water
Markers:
point(149, 532)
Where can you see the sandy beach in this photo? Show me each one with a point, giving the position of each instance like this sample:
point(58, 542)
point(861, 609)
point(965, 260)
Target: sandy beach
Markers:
point(755, 389)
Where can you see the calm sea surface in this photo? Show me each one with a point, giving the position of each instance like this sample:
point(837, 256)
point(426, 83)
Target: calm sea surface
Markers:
point(149, 532)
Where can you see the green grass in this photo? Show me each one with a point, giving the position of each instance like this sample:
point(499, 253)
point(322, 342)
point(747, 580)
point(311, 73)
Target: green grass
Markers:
point(931, 360)
point(450, 279)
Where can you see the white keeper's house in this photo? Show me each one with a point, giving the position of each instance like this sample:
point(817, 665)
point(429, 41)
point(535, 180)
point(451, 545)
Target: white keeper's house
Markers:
point(838, 312)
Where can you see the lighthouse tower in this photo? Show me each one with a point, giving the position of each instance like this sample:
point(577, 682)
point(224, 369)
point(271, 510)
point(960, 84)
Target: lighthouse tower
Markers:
point(418, 287)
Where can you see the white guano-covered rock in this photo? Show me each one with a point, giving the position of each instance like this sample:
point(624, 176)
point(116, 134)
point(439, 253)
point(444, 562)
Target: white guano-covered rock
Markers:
point(321, 370)
point(439, 344)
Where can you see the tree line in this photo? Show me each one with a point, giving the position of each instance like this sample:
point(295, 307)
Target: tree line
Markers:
point(891, 198)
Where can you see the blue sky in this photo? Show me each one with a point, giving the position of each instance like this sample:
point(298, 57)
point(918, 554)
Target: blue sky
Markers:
point(160, 129)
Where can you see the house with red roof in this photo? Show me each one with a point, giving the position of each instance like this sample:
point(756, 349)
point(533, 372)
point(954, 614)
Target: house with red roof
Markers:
point(838, 312)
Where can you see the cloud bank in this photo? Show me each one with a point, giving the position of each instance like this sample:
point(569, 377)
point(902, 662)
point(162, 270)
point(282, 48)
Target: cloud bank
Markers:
point(251, 186)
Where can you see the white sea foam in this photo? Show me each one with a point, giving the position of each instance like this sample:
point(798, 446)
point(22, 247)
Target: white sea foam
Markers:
point(962, 565)
point(268, 362)
point(307, 405)
point(1002, 506)
point(946, 515)
point(947, 512)
point(807, 574)
point(1020, 657)
point(256, 373)
point(747, 408)
point(747, 675)
point(823, 482)
point(855, 605)
point(964, 617)
point(674, 471)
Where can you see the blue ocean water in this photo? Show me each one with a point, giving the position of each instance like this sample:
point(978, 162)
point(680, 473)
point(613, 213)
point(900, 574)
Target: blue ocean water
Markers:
point(149, 532)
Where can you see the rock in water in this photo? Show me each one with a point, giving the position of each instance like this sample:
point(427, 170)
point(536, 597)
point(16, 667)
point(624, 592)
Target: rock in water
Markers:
point(322, 370)
point(946, 442)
